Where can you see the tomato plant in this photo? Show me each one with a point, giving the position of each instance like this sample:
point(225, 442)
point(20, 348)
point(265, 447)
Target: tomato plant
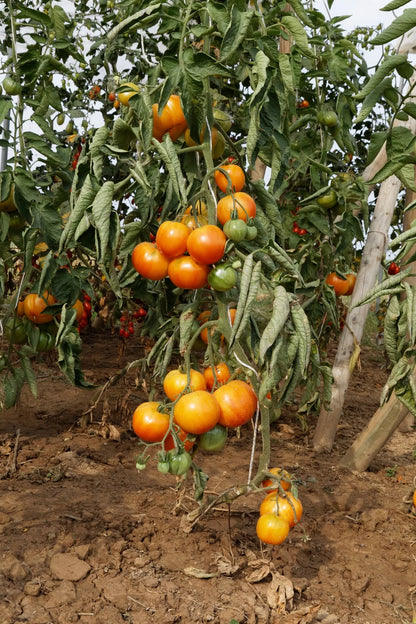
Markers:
point(149, 424)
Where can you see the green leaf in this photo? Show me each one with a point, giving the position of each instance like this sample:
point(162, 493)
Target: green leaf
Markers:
point(371, 100)
point(259, 75)
point(69, 361)
point(299, 9)
point(123, 135)
point(410, 109)
point(389, 284)
point(13, 384)
point(279, 316)
point(302, 327)
point(29, 374)
point(295, 28)
point(33, 15)
point(386, 68)
point(48, 220)
point(102, 207)
point(84, 201)
point(406, 175)
point(219, 15)
point(396, 4)
point(133, 21)
point(167, 150)
point(397, 28)
point(5, 106)
point(235, 33)
point(286, 72)
point(391, 168)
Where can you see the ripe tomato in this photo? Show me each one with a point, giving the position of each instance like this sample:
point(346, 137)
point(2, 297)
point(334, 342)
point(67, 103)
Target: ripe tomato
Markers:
point(218, 375)
point(20, 308)
point(149, 261)
point(236, 175)
point(414, 498)
point(126, 92)
point(272, 529)
point(170, 119)
point(34, 306)
point(176, 382)
point(204, 316)
point(282, 474)
point(206, 244)
point(171, 238)
point(214, 439)
point(235, 229)
point(169, 442)
point(393, 269)
point(339, 284)
point(329, 200)
point(282, 506)
point(149, 424)
point(112, 96)
point(222, 277)
point(186, 273)
point(304, 104)
point(237, 402)
point(351, 279)
point(194, 221)
point(196, 412)
point(79, 308)
point(241, 202)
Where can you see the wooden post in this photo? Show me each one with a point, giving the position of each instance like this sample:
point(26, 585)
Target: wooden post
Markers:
point(378, 431)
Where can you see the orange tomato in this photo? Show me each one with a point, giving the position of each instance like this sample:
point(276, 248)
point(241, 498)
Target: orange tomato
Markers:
point(206, 244)
point(339, 284)
point(20, 308)
point(149, 261)
point(218, 375)
point(414, 498)
point(148, 423)
point(282, 506)
point(79, 307)
point(34, 306)
point(237, 401)
point(171, 238)
point(171, 119)
point(194, 221)
point(236, 175)
point(272, 529)
point(186, 273)
point(196, 412)
point(128, 90)
point(241, 202)
point(169, 442)
point(351, 279)
point(176, 382)
point(282, 474)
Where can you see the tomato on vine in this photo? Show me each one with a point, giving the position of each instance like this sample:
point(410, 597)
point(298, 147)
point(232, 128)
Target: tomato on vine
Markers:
point(222, 277)
point(217, 375)
point(148, 423)
point(339, 284)
point(237, 401)
point(241, 202)
point(187, 273)
point(272, 529)
point(149, 261)
point(214, 439)
point(196, 412)
point(35, 305)
point(236, 229)
point(206, 244)
point(176, 382)
point(171, 238)
point(229, 178)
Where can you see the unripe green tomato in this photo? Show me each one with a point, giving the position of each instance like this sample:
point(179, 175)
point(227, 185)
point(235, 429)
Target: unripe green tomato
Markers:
point(163, 466)
point(179, 463)
point(223, 119)
point(214, 439)
point(235, 229)
point(11, 86)
point(329, 200)
point(19, 335)
point(222, 277)
point(60, 119)
point(328, 118)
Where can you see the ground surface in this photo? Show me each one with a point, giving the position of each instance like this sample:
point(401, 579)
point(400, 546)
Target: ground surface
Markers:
point(85, 537)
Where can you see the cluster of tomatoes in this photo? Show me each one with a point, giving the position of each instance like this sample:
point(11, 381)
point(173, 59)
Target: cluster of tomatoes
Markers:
point(342, 286)
point(204, 406)
point(94, 92)
point(298, 230)
point(280, 510)
point(127, 321)
point(85, 316)
point(75, 158)
point(190, 251)
point(393, 269)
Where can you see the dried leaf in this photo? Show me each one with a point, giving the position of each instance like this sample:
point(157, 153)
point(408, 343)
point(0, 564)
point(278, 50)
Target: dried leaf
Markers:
point(300, 616)
point(259, 574)
point(280, 593)
point(201, 574)
point(225, 566)
point(113, 433)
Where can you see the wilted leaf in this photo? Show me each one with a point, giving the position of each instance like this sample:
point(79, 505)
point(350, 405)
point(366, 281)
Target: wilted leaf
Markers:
point(201, 574)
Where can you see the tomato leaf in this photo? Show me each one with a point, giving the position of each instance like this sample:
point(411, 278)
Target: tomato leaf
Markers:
point(397, 28)
point(235, 33)
point(391, 330)
point(102, 208)
point(28, 373)
point(395, 4)
point(167, 150)
point(295, 28)
point(302, 327)
point(386, 68)
point(279, 316)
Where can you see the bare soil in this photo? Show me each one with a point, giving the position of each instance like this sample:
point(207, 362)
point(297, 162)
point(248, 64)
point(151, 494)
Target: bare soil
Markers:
point(85, 537)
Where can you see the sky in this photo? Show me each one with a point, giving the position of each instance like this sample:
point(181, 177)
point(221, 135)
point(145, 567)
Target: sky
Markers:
point(363, 12)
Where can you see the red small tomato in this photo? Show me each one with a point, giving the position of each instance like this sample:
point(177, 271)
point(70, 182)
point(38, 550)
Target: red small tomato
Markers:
point(87, 306)
point(86, 297)
point(142, 312)
point(302, 232)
